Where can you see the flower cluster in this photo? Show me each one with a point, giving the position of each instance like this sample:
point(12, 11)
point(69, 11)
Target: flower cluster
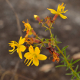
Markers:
point(33, 56)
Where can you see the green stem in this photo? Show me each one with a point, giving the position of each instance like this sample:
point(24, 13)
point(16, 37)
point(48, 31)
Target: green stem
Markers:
point(75, 74)
point(50, 33)
point(44, 25)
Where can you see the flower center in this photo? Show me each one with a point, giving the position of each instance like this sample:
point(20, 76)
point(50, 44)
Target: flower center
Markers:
point(35, 56)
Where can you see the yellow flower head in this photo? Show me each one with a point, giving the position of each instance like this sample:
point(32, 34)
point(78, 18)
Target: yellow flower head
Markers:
point(20, 47)
point(34, 56)
point(35, 16)
point(28, 28)
point(59, 11)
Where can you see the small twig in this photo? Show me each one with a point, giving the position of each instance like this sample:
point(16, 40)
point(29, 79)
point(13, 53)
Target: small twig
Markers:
point(24, 77)
point(6, 72)
point(16, 75)
point(15, 70)
point(17, 19)
point(20, 32)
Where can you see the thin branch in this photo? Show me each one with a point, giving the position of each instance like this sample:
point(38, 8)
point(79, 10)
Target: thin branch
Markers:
point(17, 75)
point(20, 33)
point(17, 19)
point(15, 70)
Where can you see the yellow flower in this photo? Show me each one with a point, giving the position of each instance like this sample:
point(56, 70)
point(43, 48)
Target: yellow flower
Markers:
point(35, 16)
point(28, 28)
point(59, 11)
point(34, 56)
point(20, 48)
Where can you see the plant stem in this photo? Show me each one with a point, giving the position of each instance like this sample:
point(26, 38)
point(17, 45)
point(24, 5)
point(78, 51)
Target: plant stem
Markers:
point(75, 74)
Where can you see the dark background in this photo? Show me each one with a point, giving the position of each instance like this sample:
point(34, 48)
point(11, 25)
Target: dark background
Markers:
point(67, 31)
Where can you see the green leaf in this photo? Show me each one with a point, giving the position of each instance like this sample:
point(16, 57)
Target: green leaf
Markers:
point(71, 60)
point(68, 73)
point(47, 40)
point(65, 52)
point(55, 38)
point(42, 39)
point(68, 56)
point(52, 39)
point(76, 67)
point(43, 45)
point(62, 57)
point(72, 77)
point(76, 61)
point(60, 66)
point(67, 68)
point(78, 72)
point(64, 48)
point(47, 29)
point(62, 61)
point(58, 42)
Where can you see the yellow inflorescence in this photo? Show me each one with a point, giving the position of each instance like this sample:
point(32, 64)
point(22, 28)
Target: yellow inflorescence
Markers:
point(59, 11)
point(28, 28)
point(20, 47)
point(33, 56)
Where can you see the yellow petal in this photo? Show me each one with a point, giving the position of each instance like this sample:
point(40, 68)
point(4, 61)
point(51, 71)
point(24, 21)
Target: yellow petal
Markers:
point(59, 8)
point(42, 57)
point(28, 55)
point(37, 50)
point(28, 26)
point(21, 40)
point(30, 33)
point(35, 16)
point(19, 53)
point(22, 48)
point(52, 11)
point(31, 50)
point(35, 61)
point(13, 43)
point(65, 11)
point(12, 50)
point(62, 16)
